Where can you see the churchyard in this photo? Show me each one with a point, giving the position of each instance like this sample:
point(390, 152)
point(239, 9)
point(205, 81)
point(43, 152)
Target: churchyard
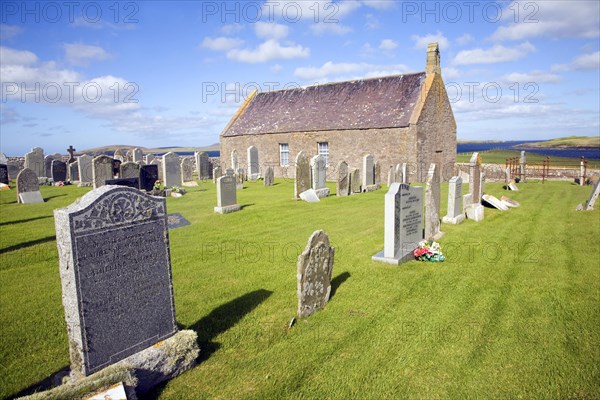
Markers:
point(511, 313)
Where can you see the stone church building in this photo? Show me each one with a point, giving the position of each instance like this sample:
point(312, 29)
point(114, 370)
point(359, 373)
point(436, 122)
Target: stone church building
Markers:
point(398, 119)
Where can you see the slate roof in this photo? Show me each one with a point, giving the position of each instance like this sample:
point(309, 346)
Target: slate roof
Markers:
point(385, 102)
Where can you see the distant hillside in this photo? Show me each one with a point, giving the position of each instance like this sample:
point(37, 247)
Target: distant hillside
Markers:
point(566, 142)
point(146, 150)
point(463, 141)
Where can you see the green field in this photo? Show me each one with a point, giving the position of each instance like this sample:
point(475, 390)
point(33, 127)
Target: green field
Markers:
point(569, 141)
point(513, 313)
point(500, 156)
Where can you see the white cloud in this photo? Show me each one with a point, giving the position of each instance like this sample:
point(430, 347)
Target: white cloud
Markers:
point(534, 76)
point(10, 56)
point(230, 29)
point(221, 43)
point(388, 44)
point(109, 98)
point(550, 19)
point(582, 62)
point(421, 42)
point(270, 30)
point(493, 55)
point(449, 73)
point(9, 31)
point(353, 70)
point(336, 29)
point(371, 22)
point(276, 68)
point(267, 51)
point(82, 54)
point(464, 39)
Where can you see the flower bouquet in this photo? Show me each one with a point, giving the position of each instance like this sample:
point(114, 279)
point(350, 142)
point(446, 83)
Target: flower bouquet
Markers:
point(429, 251)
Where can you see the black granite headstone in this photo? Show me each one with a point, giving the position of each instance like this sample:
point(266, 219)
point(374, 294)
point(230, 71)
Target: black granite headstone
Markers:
point(4, 174)
point(59, 171)
point(116, 167)
point(115, 270)
point(127, 182)
point(148, 176)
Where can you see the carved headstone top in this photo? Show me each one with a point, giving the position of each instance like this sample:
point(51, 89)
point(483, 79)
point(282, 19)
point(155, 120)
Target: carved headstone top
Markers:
point(315, 268)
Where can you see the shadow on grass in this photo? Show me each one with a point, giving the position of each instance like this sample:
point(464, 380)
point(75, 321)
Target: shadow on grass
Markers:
point(45, 384)
point(224, 318)
point(337, 282)
point(24, 220)
point(51, 197)
point(27, 244)
point(246, 205)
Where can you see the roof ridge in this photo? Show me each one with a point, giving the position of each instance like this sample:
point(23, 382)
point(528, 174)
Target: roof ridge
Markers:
point(340, 82)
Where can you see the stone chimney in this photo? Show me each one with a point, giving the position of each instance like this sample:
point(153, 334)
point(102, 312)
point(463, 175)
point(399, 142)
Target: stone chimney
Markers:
point(433, 59)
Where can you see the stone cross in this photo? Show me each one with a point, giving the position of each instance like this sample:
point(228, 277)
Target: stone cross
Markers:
point(432, 204)
point(315, 268)
point(71, 150)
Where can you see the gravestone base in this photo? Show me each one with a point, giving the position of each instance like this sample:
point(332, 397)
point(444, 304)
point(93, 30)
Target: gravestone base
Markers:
point(405, 256)
point(321, 193)
point(475, 212)
point(31, 197)
point(84, 184)
point(239, 186)
point(371, 188)
point(453, 221)
point(190, 184)
point(139, 372)
point(228, 209)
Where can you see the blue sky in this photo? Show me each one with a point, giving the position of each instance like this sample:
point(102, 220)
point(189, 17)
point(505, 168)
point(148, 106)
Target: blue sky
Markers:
point(157, 73)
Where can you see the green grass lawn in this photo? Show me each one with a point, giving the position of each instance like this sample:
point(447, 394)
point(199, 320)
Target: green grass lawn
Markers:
point(513, 313)
point(500, 156)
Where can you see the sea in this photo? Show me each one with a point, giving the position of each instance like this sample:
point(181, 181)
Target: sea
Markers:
point(592, 154)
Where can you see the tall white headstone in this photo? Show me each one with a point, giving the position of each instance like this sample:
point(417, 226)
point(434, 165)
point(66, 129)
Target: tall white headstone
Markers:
point(319, 177)
point(455, 208)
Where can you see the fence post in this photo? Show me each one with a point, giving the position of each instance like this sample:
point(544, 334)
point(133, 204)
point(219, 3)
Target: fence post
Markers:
point(523, 163)
point(582, 171)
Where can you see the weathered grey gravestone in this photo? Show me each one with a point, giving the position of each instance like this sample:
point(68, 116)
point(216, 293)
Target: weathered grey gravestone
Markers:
point(269, 176)
point(171, 170)
point(235, 163)
point(355, 181)
point(59, 171)
point(589, 204)
point(403, 223)
point(377, 174)
point(187, 169)
point(137, 155)
point(315, 268)
point(14, 167)
point(343, 181)
point(253, 163)
point(455, 208)
point(86, 176)
point(157, 161)
point(129, 169)
point(203, 165)
point(149, 158)
point(523, 166)
point(148, 176)
point(226, 194)
point(368, 173)
point(115, 268)
point(129, 156)
point(4, 174)
point(34, 161)
point(398, 176)
point(217, 173)
point(391, 176)
point(475, 209)
point(74, 171)
point(28, 188)
point(102, 169)
point(432, 204)
point(239, 178)
point(302, 181)
point(119, 155)
point(3, 158)
point(319, 177)
point(404, 169)
point(48, 164)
